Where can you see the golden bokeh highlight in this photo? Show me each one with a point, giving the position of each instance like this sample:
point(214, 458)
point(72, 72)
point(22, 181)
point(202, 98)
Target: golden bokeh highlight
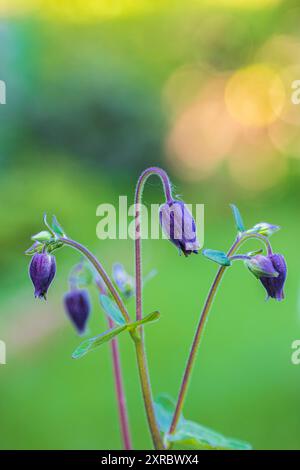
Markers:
point(255, 95)
point(203, 134)
point(285, 138)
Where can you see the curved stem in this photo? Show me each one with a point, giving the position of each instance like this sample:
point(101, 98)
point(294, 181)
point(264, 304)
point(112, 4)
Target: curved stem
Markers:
point(138, 199)
point(139, 341)
point(101, 271)
point(203, 317)
point(141, 358)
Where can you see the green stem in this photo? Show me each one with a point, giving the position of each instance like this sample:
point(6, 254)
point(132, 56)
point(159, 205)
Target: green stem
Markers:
point(203, 317)
point(139, 340)
point(140, 353)
point(101, 271)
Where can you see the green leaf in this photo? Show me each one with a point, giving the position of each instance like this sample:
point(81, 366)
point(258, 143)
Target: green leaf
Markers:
point(164, 407)
point(47, 225)
point(94, 343)
point(188, 433)
point(35, 248)
point(150, 318)
point(43, 236)
point(111, 309)
point(218, 256)
point(57, 228)
point(238, 218)
point(195, 436)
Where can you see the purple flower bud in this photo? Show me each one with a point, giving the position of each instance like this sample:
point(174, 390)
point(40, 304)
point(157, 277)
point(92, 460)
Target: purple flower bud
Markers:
point(260, 266)
point(179, 226)
point(274, 285)
point(42, 270)
point(271, 270)
point(77, 306)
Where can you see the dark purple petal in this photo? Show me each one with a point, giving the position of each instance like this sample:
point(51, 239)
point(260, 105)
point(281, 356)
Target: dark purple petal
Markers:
point(179, 226)
point(77, 306)
point(42, 270)
point(274, 285)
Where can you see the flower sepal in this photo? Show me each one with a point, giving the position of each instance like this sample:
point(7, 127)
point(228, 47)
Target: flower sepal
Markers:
point(260, 265)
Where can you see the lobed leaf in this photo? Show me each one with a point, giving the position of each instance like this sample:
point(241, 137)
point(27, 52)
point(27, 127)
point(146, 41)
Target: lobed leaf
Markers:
point(57, 228)
point(94, 343)
point(190, 434)
point(217, 256)
point(43, 236)
point(196, 436)
point(164, 407)
point(238, 218)
point(111, 309)
point(150, 318)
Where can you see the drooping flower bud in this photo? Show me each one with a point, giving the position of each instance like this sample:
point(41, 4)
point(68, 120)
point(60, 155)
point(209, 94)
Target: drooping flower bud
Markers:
point(77, 306)
point(42, 270)
point(179, 226)
point(260, 266)
point(272, 283)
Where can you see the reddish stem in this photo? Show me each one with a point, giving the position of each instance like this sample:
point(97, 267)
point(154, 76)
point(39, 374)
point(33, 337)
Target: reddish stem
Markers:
point(120, 393)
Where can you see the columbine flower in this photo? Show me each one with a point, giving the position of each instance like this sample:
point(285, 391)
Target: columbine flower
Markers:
point(42, 270)
point(77, 306)
point(271, 271)
point(179, 226)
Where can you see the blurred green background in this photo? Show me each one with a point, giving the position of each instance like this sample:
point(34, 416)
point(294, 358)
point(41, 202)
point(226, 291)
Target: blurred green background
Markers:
point(96, 92)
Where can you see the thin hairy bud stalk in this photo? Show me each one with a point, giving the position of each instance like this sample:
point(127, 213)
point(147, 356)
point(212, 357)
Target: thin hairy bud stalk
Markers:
point(101, 271)
point(203, 318)
point(141, 357)
point(139, 341)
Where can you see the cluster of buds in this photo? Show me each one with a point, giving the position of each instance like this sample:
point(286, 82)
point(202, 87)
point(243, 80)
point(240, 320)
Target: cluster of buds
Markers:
point(270, 269)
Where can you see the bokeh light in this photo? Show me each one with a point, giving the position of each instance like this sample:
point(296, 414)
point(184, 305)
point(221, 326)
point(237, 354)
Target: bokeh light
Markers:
point(255, 95)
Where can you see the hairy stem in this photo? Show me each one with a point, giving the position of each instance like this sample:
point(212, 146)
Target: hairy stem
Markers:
point(139, 341)
point(120, 393)
point(101, 271)
point(141, 358)
point(119, 386)
point(203, 317)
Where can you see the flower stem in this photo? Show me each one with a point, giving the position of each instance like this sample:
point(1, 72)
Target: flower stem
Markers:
point(203, 317)
point(101, 271)
point(119, 386)
point(120, 393)
point(141, 357)
point(139, 340)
